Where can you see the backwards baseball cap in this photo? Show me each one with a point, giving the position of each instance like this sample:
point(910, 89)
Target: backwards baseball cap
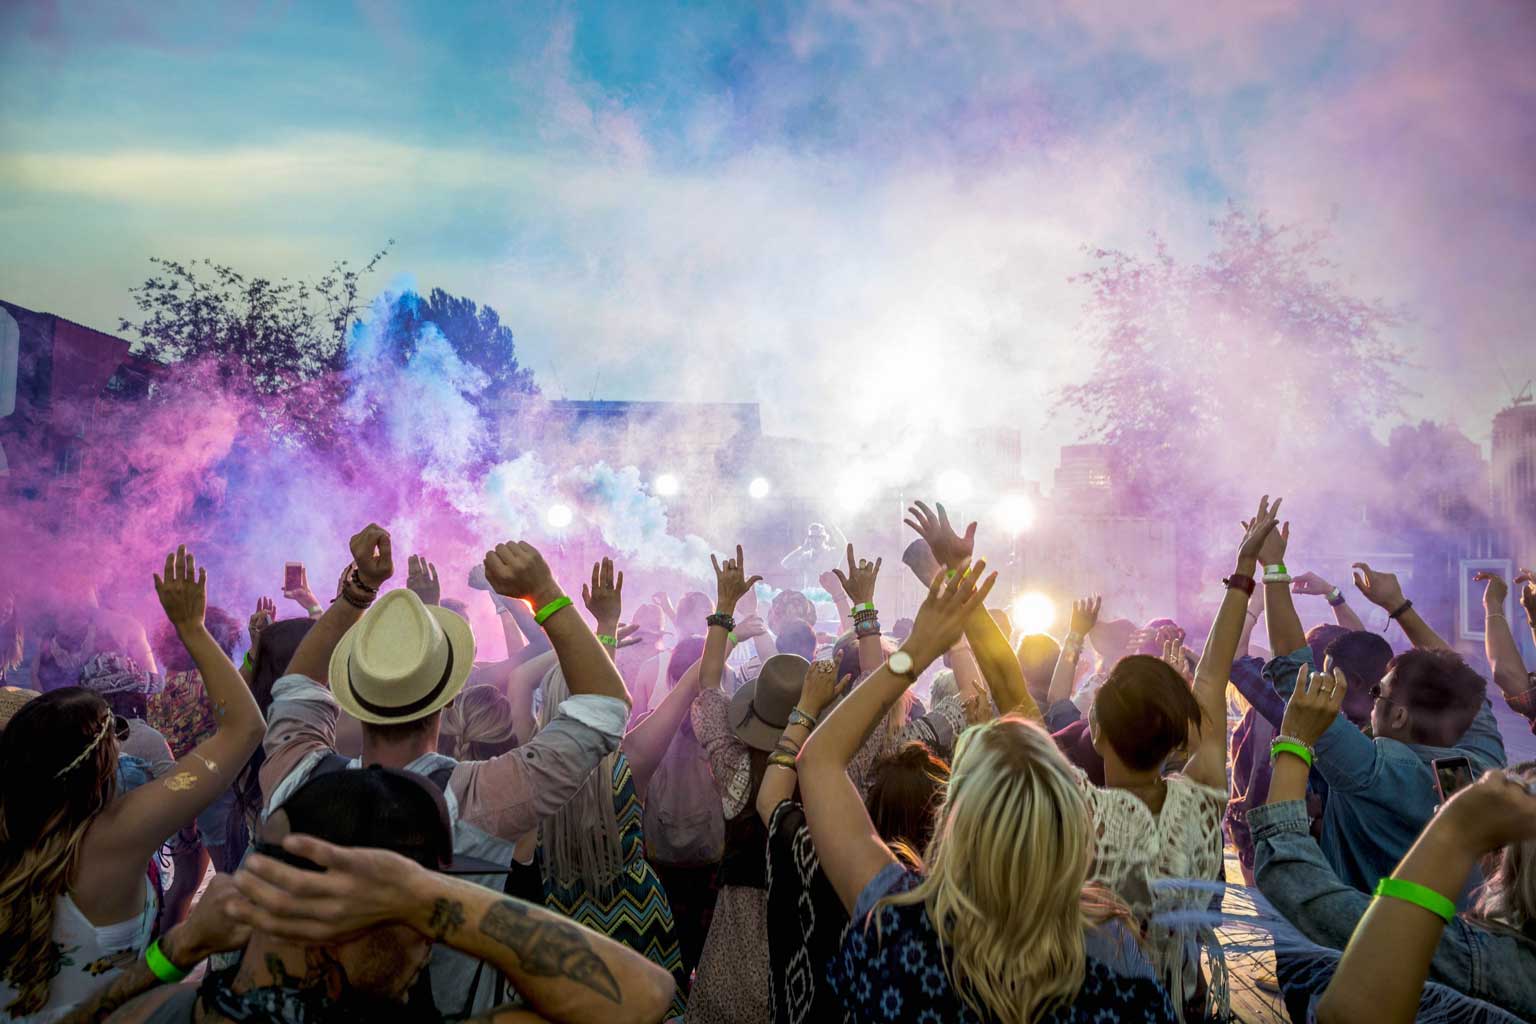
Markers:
point(377, 808)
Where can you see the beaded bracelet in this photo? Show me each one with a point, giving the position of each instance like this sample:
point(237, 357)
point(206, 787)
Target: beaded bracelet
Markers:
point(1420, 895)
point(542, 615)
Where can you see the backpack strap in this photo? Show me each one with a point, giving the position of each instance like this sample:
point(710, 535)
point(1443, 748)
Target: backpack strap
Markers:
point(440, 777)
point(330, 763)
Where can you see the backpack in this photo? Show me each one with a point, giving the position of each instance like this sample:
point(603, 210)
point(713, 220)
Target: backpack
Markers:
point(684, 821)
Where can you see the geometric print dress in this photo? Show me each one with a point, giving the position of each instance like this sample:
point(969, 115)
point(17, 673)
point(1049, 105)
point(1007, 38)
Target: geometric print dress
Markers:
point(634, 910)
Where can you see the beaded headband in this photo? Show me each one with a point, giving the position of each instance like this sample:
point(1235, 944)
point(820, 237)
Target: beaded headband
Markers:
point(106, 727)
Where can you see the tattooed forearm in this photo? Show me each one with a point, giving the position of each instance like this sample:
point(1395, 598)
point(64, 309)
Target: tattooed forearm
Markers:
point(549, 948)
point(447, 918)
point(131, 983)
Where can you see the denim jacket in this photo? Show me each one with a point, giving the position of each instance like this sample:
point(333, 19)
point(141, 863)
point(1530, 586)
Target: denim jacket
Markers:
point(1381, 792)
point(1496, 966)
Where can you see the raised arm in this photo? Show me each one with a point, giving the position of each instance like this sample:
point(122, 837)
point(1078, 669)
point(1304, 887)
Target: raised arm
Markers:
point(1209, 764)
point(1498, 641)
point(850, 850)
point(1381, 975)
point(421, 580)
point(1284, 625)
point(1383, 590)
point(516, 570)
point(1526, 580)
point(563, 971)
point(264, 615)
point(132, 828)
point(830, 584)
point(858, 584)
point(372, 564)
point(1313, 585)
point(820, 689)
point(1085, 615)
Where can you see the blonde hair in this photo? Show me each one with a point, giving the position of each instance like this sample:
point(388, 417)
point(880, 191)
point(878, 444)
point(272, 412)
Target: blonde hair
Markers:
point(1005, 879)
point(43, 821)
point(581, 841)
point(481, 714)
point(1508, 897)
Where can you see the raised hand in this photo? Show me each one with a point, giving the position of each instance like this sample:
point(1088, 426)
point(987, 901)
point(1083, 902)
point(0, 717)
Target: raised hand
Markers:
point(604, 595)
point(183, 590)
point(261, 618)
point(829, 583)
point(372, 556)
point(730, 582)
point(821, 688)
point(1496, 591)
point(951, 549)
point(210, 928)
point(625, 637)
point(941, 619)
point(302, 593)
point(515, 569)
point(356, 890)
point(1173, 654)
point(421, 580)
point(1496, 810)
point(1379, 588)
point(1085, 615)
point(1261, 541)
point(859, 584)
point(1527, 593)
point(1315, 703)
point(477, 580)
point(1310, 584)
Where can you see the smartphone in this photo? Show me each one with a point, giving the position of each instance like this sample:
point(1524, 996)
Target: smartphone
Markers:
point(293, 576)
point(1451, 774)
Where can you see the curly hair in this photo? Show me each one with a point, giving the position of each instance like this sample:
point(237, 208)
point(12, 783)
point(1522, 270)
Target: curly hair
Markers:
point(65, 736)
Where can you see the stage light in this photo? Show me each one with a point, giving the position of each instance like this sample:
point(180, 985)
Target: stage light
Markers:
point(954, 485)
point(559, 516)
point(667, 485)
point(1016, 513)
point(759, 487)
point(1032, 612)
point(852, 494)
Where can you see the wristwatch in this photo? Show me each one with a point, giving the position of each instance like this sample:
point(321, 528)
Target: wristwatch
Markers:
point(901, 664)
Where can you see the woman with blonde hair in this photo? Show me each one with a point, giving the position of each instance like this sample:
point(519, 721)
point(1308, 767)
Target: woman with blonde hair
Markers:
point(478, 725)
point(999, 924)
point(76, 908)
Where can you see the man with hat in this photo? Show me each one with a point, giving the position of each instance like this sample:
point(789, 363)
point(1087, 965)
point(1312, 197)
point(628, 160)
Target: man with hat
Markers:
point(337, 912)
point(394, 664)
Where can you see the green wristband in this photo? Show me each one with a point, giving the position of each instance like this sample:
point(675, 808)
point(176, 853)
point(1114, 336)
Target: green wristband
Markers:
point(867, 606)
point(1287, 747)
point(161, 967)
point(542, 615)
point(249, 662)
point(1278, 569)
point(1422, 895)
point(606, 640)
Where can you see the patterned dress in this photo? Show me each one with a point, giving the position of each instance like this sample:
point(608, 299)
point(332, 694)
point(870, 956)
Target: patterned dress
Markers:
point(896, 974)
point(635, 910)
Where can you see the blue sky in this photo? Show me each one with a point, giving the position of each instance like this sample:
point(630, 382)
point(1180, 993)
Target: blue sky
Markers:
point(717, 200)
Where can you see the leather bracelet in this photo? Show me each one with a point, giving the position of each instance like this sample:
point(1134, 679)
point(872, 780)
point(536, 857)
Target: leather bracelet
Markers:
point(1240, 581)
point(1420, 895)
point(1336, 598)
point(1400, 609)
point(723, 620)
point(361, 604)
point(356, 579)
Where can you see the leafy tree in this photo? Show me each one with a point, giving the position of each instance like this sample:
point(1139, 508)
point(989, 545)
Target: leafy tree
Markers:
point(272, 333)
point(475, 332)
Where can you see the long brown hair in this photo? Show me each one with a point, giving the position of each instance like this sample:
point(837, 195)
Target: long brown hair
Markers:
point(65, 740)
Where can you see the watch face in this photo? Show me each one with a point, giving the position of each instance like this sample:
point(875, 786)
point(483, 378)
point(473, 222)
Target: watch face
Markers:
point(901, 663)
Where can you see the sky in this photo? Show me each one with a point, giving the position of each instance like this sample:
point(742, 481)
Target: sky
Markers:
point(858, 212)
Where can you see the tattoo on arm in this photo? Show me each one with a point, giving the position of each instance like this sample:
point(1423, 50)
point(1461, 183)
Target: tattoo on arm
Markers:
point(124, 988)
point(447, 918)
point(549, 948)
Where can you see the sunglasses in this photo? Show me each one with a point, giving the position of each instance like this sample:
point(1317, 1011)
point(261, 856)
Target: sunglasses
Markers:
point(1377, 694)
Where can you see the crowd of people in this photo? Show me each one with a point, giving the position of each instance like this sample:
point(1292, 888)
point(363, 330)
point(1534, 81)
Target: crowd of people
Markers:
point(729, 810)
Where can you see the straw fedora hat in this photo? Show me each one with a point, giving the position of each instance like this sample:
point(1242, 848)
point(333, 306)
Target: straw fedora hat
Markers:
point(760, 709)
point(401, 661)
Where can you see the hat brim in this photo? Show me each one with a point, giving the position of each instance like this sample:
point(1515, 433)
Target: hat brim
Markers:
point(461, 640)
point(751, 730)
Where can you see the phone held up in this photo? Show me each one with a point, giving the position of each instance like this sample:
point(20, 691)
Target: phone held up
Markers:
point(1451, 774)
point(293, 576)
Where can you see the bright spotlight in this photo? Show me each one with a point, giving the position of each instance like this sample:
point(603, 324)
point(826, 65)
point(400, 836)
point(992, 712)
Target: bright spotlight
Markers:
point(759, 487)
point(1032, 612)
point(852, 494)
point(667, 485)
point(559, 516)
point(1016, 513)
point(953, 485)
